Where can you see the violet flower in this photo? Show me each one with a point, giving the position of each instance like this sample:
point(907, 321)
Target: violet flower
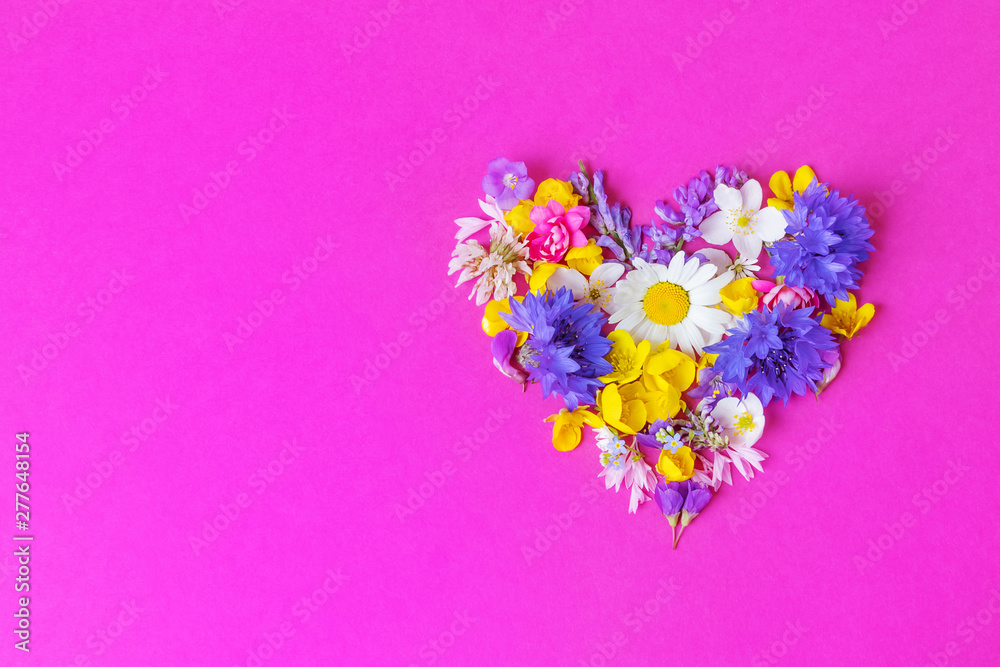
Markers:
point(670, 499)
point(504, 346)
point(508, 182)
point(696, 497)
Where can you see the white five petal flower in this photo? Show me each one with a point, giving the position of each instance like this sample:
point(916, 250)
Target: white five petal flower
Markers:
point(740, 219)
point(597, 290)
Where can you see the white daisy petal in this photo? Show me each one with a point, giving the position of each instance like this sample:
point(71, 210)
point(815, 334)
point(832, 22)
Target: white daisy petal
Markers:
point(676, 264)
point(704, 273)
point(632, 320)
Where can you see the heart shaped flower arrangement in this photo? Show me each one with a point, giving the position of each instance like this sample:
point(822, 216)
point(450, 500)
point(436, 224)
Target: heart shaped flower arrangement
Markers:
point(667, 339)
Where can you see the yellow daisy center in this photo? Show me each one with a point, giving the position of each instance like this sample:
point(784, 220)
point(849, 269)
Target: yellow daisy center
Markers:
point(744, 423)
point(666, 303)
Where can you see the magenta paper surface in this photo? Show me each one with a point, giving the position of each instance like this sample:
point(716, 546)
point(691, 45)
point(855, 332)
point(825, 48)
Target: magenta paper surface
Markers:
point(265, 428)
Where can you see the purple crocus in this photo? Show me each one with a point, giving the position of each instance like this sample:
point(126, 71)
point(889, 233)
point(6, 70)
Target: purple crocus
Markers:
point(696, 496)
point(508, 182)
point(670, 499)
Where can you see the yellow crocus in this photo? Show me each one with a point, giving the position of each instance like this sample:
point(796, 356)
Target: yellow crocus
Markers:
point(782, 186)
point(625, 413)
point(847, 319)
point(626, 358)
point(586, 258)
point(494, 324)
point(568, 428)
point(519, 217)
point(739, 296)
point(678, 466)
point(668, 368)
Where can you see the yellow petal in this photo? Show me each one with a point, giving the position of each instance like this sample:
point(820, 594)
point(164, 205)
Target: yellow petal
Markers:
point(779, 204)
point(540, 275)
point(519, 217)
point(561, 191)
point(804, 175)
point(676, 467)
point(635, 416)
point(781, 186)
point(592, 420)
point(865, 314)
point(586, 258)
point(611, 403)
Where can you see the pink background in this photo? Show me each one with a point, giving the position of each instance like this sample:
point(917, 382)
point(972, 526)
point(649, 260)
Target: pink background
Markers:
point(820, 569)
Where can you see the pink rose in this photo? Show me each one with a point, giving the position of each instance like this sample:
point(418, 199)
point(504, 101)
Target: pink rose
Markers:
point(775, 294)
point(556, 230)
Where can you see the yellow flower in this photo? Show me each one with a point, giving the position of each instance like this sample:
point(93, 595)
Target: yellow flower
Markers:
point(540, 275)
point(706, 360)
point(494, 324)
point(668, 368)
point(519, 217)
point(847, 319)
point(662, 404)
point(625, 357)
point(676, 467)
point(586, 258)
point(567, 431)
point(781, 185)
point(626, 413)
point(739, 296)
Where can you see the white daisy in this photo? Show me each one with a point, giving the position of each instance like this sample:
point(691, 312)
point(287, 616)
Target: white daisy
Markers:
point(597, 290)
point(672, 302)
point(740, 219)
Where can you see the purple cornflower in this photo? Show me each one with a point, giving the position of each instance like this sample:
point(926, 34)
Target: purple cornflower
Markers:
point(508, 182)
point(829, 239)
point(565, 349)
point(774, 353)
point(711, 388)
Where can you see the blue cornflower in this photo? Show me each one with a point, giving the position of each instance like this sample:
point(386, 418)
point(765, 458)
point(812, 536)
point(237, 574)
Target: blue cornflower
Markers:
point(829, 239)
point(774, 353)
point(565, 349)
